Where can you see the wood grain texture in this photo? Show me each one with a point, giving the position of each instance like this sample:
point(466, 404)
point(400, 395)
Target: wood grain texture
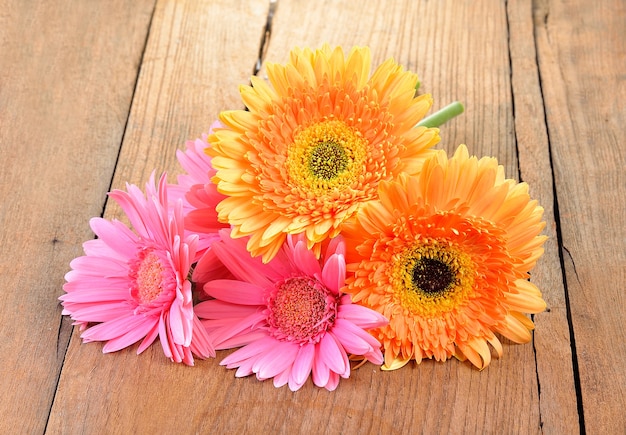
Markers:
point(67, 74)
point(557, 399)
point(149, 393)
point(197, 54)
point(94, 94)
point(581, 63)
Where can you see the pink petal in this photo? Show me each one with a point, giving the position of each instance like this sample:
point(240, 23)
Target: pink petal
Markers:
point(201, 343)
point(131, 337)
point(195, 162)
point(125, 248)
point(150, 337)
point(163, 333)
point(305, 260)
point(83, 292)
point(334, 273)
point(116, 327)
point(231, 331)
point(236, 292)
point(245, 368)
point(276, 360)
point(241, 340)
point(356, 341)
point(302, 366)
point(76, 281)
point(362, 317)
point(100, 312)
point(132, 208)
point(334, 356)
point(178, 353)
point(320, 371)
point(337, 245)
point(333, 381)
point(181, 323)
point(210, 267)
point(216, 309)
point(99, 267)
point(212, 325)
point(282, 378)
point(250, 351)
point(234, 255)
point(203, 220)
point(187, 355)
point(115, 235)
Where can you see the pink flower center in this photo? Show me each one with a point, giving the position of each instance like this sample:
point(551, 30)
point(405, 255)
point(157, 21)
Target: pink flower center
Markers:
point(149, 277)
point(301, 309)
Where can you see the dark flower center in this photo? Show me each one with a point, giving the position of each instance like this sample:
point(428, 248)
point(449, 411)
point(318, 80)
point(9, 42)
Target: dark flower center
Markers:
point(432, 276)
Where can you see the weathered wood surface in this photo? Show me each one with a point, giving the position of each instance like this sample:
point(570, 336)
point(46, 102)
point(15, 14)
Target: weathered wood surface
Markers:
point(553, 354)
point(582, 55)
point(94, 94)
point(67, 74)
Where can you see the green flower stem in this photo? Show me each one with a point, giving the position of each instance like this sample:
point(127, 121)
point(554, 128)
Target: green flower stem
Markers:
point(442, 116)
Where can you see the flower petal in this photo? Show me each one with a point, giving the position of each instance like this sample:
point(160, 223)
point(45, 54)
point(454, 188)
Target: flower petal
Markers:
point(333, 355)
point(235, 292)
point(334, 273)
point(361, 316)
point(302, 366)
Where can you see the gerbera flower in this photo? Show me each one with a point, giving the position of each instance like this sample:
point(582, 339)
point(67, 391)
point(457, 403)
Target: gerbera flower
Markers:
point(289, 314)
point(198, 193)
point(314, 147)
point(445, 256)
point(134, 284)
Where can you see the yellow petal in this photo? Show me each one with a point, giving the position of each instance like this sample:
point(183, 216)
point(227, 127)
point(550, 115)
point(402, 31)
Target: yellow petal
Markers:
point(395, 364)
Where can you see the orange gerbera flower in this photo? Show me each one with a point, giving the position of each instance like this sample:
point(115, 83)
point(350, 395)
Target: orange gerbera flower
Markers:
point(445, 256)
point(314, 147)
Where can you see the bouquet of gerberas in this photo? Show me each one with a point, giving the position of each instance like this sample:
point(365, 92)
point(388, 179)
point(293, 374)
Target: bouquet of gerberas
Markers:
point(317, 227)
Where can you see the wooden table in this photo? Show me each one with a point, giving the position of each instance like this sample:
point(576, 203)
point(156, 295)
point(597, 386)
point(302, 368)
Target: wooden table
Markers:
point(97, 93)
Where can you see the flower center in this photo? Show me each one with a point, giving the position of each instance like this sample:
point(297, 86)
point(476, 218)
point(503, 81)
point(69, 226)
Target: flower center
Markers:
point(432, 275)
point(148, 276)
point(326, 155)
point(432, 278)
point(300, 309)
point(327, 160)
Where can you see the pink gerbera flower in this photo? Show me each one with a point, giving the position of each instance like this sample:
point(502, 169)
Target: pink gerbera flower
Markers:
point(289, 314)
point(134, 284)
point(199, 194)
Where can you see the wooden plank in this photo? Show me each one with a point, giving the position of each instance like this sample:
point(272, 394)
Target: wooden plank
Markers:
point(148, 393)
point(67, 75)
point(557, 399)
point(197, 54)
point(581, 63)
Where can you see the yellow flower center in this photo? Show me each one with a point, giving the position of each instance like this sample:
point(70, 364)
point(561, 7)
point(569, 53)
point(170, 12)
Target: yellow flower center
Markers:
point(431, 278)
point(326, 155)
point(327, 160)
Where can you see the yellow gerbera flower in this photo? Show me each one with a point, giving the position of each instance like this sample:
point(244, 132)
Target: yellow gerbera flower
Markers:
point(445, 256)
point(315, 145)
